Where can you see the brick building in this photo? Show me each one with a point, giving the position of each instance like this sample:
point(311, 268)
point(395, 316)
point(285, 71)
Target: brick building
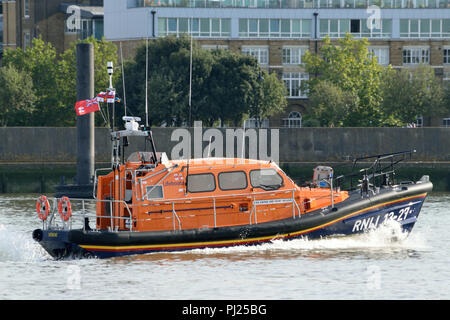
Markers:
point(24, 20)
point(402, 33)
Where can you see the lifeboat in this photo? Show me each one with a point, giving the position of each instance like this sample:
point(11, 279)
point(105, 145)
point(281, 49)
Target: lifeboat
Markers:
point(149, 203)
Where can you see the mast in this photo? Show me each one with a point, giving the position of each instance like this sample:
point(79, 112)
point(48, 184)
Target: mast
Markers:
point(146, 68)
point(190, 106)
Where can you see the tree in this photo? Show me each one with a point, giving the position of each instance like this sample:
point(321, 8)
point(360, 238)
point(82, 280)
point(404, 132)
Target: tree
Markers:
point(225, 85)
point(53, 79)
point(17, 97)
point(331, 104)
point(168, 81)
point(350, 67)
point(413, 92)
point(234, 86)
point(39, 62)
point(270, 97)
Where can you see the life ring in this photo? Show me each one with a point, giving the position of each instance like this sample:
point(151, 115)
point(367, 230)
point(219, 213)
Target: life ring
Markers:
point(64, 208)
point(43, 207)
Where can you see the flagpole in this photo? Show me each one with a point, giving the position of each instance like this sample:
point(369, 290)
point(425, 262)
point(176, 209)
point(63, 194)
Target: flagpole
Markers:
point(190, 81)
point(146, 69)
point(123, 80)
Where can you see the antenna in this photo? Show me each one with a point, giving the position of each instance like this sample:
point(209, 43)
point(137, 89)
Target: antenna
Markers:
point(146, 73)
point(243, 142)
point(123, 80)
point(190, 81)
point(110, 68)
point(190, 106)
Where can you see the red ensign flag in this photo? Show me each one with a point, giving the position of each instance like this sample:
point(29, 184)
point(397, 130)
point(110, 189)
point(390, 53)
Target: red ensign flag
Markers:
point(86, 106)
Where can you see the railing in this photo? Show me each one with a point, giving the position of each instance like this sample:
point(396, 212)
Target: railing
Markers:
point(292, 4)
point(380, 173)
point(51, 222)
point(257, 199)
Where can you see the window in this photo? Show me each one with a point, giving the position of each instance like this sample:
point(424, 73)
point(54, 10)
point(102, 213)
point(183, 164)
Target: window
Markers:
point(355, 26)
point(424, 28)
point(446, 53)
point(198, 27)
point(26, 8)
point(215, 47)
point(446, 122)
point(294, 120)
point(293, 81)
point(381, 53)
point(26, 39)
point(274, 28)
point(154, 192)
point(1, 31)
point(86, 28)
point(203, 182)
point(293, 55)
point(416, 55)
point(235, 180)
point(334, 28)
point(260, 53)
point(267, 179)
point(446, 76)
point(419, 121)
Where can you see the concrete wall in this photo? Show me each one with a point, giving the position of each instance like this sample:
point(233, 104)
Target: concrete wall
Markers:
point(58, 145)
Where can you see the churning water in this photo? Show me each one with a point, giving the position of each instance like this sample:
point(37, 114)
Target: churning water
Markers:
point(383, 264)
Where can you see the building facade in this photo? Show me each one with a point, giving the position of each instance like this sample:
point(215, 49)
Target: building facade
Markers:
point(402, 33)
point(58, 22)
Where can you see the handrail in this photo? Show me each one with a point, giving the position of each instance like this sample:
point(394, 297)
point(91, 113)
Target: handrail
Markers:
point(253, 197)
point(224, 195)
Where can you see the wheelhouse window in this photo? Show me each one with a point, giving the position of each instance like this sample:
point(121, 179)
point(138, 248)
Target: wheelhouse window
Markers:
point(235, 180)
point(203, 182)
point(154, 192)
point(267, 179)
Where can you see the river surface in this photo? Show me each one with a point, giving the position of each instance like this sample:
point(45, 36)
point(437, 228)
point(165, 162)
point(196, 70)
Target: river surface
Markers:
point(383, 264)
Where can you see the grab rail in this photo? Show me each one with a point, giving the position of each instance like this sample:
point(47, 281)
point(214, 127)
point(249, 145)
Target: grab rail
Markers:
point(253, 199)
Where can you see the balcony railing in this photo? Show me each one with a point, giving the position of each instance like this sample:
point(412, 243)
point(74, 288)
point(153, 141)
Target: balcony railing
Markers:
point(291, 4)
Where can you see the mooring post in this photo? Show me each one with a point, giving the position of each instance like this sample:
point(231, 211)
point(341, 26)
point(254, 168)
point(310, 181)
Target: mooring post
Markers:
point(85, 123)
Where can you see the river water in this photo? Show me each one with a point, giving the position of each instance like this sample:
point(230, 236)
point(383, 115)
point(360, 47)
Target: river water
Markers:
point(380, 265)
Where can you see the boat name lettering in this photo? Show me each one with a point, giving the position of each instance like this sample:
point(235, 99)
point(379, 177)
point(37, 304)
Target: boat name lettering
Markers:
point(173, 183)
point(271, 201)
point(372, 222)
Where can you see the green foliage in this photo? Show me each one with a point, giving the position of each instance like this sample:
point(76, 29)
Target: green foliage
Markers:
point(16, 96)
point(331, 104)
point(413, 92)
point(53, 79)
point(225, 85)
point(349, 66)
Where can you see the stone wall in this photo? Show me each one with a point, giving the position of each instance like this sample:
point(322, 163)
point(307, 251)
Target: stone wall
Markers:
point(295, 145)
